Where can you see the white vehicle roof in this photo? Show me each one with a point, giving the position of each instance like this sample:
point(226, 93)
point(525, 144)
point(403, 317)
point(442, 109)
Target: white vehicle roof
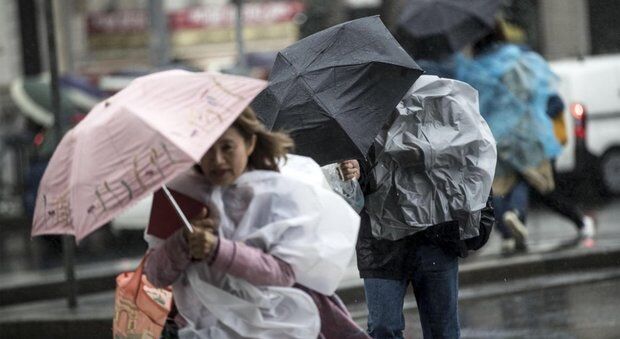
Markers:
point(593, 81)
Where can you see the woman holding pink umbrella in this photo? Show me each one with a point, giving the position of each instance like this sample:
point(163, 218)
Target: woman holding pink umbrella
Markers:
point(266, 256)
point(272, 232)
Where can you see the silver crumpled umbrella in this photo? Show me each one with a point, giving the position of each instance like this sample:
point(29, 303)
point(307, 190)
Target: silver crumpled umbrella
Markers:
point(435, 161)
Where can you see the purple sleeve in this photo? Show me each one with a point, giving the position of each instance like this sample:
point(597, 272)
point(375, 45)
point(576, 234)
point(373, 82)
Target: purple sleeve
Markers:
point(252, 264)
point(165, 263)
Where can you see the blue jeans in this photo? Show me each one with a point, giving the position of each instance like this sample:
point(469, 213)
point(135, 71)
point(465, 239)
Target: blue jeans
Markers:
point(434, 278)
point(516, 200)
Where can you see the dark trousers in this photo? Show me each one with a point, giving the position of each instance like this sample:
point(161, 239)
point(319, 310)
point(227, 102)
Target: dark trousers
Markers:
point(561, 204)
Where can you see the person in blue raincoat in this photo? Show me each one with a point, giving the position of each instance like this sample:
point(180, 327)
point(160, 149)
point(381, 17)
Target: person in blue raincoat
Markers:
point(514, 86)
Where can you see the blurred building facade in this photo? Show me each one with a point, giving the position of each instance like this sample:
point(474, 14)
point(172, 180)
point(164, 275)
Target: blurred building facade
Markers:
point(567, 28)
point(114, 33)
point(110, 32)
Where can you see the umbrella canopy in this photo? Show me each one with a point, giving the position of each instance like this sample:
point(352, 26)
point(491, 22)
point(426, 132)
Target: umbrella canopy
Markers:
point(432, 29)
point(134, 142)
point(333, 90)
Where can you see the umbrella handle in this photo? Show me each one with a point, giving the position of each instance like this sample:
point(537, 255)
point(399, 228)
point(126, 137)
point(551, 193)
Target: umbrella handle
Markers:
point(178, 209)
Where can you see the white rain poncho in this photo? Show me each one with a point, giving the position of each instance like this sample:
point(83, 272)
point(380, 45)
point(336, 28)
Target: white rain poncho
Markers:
point(309, 227)
point(434, 162)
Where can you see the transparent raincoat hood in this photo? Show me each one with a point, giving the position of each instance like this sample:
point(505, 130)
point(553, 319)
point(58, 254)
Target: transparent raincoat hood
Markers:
point(435, 162)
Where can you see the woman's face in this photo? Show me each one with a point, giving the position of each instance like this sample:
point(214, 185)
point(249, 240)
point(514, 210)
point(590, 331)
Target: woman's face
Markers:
point(227, 159)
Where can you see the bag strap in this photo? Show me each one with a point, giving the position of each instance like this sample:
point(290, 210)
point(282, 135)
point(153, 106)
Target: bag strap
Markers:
point(140, 269)
point(136, 278)
point(136, 281)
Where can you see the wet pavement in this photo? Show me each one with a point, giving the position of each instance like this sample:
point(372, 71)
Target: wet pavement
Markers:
point(524, 285)
point(575, 311)
point(579, 311)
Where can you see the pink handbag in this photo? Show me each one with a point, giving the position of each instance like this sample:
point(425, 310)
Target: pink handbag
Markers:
point(140, 309)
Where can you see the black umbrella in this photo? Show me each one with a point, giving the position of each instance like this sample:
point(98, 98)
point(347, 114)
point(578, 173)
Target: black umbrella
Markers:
point(431, 29)
point(334, 90)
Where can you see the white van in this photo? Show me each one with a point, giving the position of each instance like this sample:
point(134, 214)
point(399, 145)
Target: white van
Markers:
point(590, 88)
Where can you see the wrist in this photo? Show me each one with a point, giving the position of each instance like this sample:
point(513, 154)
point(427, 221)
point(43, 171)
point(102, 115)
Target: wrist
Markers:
point(213, 254)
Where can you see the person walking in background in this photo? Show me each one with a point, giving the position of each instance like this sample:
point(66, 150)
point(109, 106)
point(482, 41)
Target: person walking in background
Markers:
point(261, 261)
point(555, 200)
point(514, 86)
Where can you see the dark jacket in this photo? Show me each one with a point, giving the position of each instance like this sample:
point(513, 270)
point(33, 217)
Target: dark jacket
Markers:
point(387, 259)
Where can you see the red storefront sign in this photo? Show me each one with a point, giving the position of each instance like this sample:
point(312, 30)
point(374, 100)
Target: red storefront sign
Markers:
point(132, 21)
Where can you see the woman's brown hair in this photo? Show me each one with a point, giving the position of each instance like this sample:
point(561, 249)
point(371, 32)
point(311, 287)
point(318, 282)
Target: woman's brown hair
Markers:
point(270, 146)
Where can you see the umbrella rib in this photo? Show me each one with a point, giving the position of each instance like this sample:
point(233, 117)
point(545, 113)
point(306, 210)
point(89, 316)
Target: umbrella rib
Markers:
point(155, 127)
point(311, 90)
point(328, 47)
point(391, 62)
point(305, 83)
point(126, 185)
point(299, 75)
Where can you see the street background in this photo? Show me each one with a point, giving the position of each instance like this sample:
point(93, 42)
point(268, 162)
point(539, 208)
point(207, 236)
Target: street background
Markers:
point(556, 290)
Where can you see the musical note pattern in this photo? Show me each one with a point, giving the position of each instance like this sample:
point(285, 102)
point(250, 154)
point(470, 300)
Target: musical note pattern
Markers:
point(150, 166)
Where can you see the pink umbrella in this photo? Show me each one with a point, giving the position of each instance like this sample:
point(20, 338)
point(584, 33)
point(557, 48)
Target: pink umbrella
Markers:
point(134, 142)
